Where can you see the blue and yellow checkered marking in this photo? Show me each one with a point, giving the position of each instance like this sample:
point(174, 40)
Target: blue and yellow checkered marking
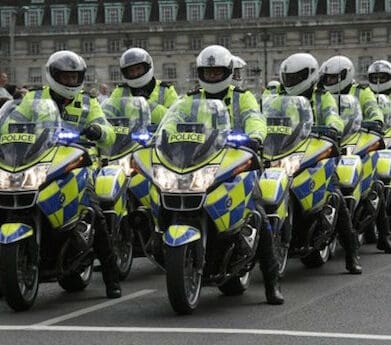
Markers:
point(177, 235)
point(383, 167)
point(349, 170)
point(229, 203)
point(109, 182)
point(140, 187)
point(369, 163)
point(311, 186)
point(63, 199)
point(273, 184)
point(12, 232)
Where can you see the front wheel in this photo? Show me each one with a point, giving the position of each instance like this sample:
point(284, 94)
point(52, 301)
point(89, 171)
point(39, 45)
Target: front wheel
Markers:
point(183, 278)
point(19, 274)
point(123, 250)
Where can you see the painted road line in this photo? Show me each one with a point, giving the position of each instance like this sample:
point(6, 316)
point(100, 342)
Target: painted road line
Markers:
point(96, 307)
point(276, 332)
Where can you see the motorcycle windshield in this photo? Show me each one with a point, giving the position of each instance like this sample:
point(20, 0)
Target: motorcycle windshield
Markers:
point(350, 112)
point(192, 131)
point(289, 120)
point(127, 115)
point(27, 130)
point(384, 103)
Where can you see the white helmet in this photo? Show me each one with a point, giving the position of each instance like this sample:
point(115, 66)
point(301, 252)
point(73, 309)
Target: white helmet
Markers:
point(215, 56)
point(337, 73)
point(65, 61)
point(298, 73)
point(238, 65)
point(134, 56)
point(379, 76)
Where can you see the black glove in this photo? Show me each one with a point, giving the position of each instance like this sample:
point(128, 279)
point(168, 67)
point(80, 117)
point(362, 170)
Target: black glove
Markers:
point(255, 145)
point(92, 132)
point(376, 126)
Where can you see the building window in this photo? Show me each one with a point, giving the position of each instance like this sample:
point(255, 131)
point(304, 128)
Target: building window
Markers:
point(60, 16)
point(34, 48)
point(388, 6)
point(279, 40)
point(193, 75)
point(308, 38)
point(168, 44)
point(136, 42)
point(364, 6)
point(113, 14)
point(250, 41)
point(196, 43)
point(335, 7)
point(115, 73)
point(277, 8)
point(306, 8)
point(224, 41)
point(336, 37)
point(276, 68)
point(250, 9)
point(87, 15)
point(35, 75)
point(33, 17)
point(60, 45)
point(365, 36)
point(87, 46)
point(363, 64)
point(90, 74)
point(6, 18)
point(195, 11)
point(5, 48)
point(252, 69)
point(140, 13)
point(169, 71)
point(223, 10)
point(168, 12)
point(114, 45)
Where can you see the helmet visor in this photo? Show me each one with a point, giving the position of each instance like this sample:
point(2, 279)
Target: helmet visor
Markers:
point(379, 77)
point(135, 71)
point(330, 79)
point(213, 74)
point(68, 78)
point(292, 79)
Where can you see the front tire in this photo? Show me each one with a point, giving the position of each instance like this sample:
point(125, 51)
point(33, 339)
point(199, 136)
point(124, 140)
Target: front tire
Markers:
point(123, 250)
point(19, 273)
point(183, 278)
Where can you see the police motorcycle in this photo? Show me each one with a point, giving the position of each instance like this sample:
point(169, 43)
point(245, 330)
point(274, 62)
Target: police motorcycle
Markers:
point(198, 180)
point(47, 224)
point(297, 188)
point(126, 115)
point(357, 168)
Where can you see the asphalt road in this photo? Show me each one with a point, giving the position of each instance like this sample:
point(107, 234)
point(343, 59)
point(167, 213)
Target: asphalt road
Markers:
point(323, 306)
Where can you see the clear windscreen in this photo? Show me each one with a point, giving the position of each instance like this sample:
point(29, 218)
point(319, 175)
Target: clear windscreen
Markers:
point(350, 112)
point(289, 120)
point(192, 131)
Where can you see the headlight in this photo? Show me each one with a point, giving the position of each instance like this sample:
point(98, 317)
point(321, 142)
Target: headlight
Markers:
point(290, 164)
point(125, 164)
point(387, 142)
point(349, 149)
point(29, 179)
point(197, 181)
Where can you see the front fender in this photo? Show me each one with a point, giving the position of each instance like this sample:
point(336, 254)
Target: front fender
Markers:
point(12, 232)
point(178, 235)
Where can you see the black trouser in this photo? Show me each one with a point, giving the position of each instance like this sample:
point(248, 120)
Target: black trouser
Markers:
point(267, 255)
point(348, 236)
point(102, 244)
point(383, 220)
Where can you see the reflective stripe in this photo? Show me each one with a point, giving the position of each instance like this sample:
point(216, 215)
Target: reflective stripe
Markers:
point(195, 105)
point(162, 91)
point(36, 102)
point(318, 109)
point(125, 93)
point(85, 112)
point(236, 110)
point(113, 110)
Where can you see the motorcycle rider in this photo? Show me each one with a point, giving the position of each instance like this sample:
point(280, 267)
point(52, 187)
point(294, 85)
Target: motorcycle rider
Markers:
point(338, 74)
point(379, 77)
point(299, 74)
point(65, 72)
point(138, 72)
point(215, 70)
point(237, 77)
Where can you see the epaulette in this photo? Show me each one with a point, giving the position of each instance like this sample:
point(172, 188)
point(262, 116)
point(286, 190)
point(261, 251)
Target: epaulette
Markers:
point(165, 84)
point(36, 88)
point(193, 91)
point(239, 89)
point(122, 85)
